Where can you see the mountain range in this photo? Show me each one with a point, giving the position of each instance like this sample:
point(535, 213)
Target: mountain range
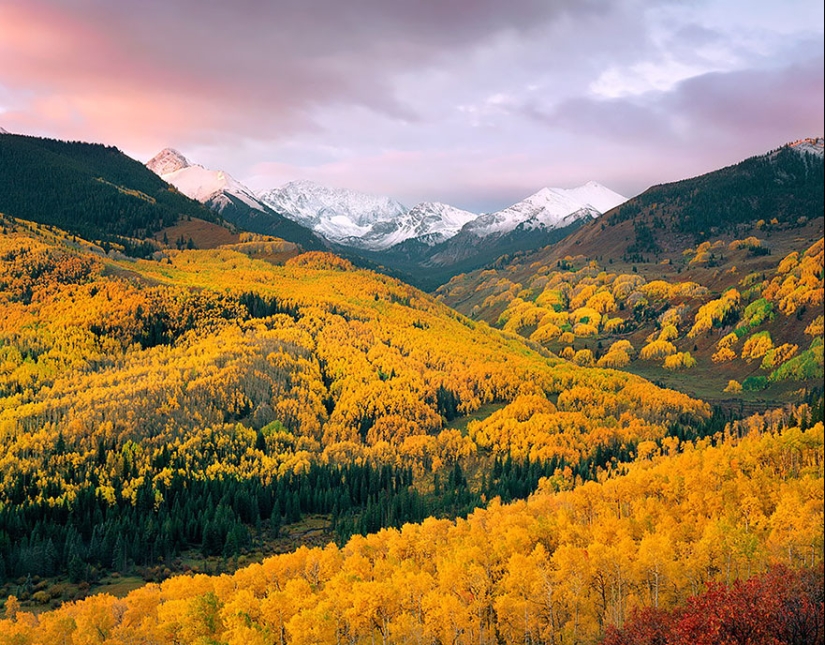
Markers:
point(437, 237)
point(232, 200)
point(749, 234)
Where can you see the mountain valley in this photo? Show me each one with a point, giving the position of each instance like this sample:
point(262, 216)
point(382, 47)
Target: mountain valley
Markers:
point(607, 414)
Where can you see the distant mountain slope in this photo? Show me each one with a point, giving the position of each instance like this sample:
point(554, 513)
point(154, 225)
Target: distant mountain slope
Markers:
point(431, 242)
point(338, 214)
point(376, 223)
point(784, 186)
point(549, 208)
point(735, 299)
point(542, 219)
point(225, 195)
point(425, 245)
point(428, 223)
point(88, 189)
point(196, 181)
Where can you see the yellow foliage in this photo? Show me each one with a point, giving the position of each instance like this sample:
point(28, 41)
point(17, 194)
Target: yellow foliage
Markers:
point(679, 361)
point(545, 333)
point(613, 325)
point(650, 537)
point(602, 301)
point(757, 346)
point(581, 294)
point(584, 357)
point(622, 345)
point(669, 332)
point(799, 281)
point(656, 290)
point(816, 328)
point(552, 299)
point(775, 357)
point(733, 387)
point(728, 341)
point(583, 330)
point(723, 355)
point(586, 315)
point(615, 358)
point(567, 338)
point(320, 260)
point(748, 243)
point(703, 257)
point(657, 349)
point(715, 312)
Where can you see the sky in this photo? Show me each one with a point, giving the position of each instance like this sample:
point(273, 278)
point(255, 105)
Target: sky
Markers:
point(476, 103)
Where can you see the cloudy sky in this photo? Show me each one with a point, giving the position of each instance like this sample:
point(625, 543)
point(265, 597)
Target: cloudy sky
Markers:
point(477, 103)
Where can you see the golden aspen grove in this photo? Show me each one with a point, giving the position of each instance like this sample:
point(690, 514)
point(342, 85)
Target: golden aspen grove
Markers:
point(211, 436)
point(138, 392)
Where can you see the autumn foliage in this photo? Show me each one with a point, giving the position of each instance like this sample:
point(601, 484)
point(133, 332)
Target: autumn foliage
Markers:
point(781, 606)
point(563, 566)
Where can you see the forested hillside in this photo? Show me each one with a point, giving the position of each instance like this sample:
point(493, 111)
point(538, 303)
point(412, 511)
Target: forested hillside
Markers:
point(563, 567)
point(759, 331)
point(712, 285)
point(90, 190)
point(207, 399)
point(199, 410)
point(779, 194)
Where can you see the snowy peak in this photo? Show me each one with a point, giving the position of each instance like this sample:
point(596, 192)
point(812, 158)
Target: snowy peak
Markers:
point(379, 223)
point(549, 208)
point(428, 222)
point(336, 213)
point(813, 145)
point(594, 194)
point(364, 221)
point(449, 217)
point(206, 186)
point(167, 161)
point(4, 131)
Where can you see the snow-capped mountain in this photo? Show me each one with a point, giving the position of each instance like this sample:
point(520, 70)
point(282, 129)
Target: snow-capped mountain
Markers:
point(372, 223)
point(339, 214)
point(813, 145)
point(4, 131)
point(428, 222)
point(594, 194)
point(549, 208)
point(212, 187)
point(364, 221)
point(234, 201)
point(167, 161)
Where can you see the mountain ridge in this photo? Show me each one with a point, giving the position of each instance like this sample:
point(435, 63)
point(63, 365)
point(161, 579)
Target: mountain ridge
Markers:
point(424, 245)
point(222, 193)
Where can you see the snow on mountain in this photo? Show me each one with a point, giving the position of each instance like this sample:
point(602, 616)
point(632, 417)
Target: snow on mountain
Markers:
point(427, 222)
point(377, 223)
point(338, 214)
point(549, 208)
point(4, 131)
point(167, 161)
point(815, 145)
point(199, 183)
point(594, 194)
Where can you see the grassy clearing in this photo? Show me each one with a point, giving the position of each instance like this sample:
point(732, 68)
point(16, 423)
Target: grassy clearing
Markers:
point(460, 423)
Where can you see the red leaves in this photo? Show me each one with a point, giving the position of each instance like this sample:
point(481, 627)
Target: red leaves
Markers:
point(780, 607)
